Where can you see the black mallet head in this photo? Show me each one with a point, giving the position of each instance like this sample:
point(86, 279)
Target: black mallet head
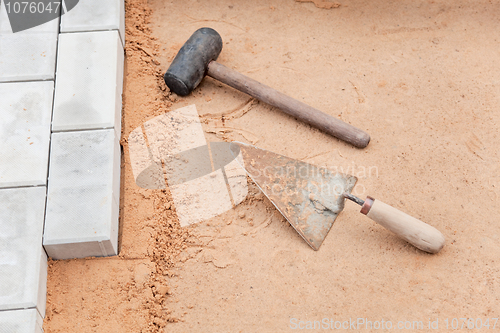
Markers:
point(191, 63)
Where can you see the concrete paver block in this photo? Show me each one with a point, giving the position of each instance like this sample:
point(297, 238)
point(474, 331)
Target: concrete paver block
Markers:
point(25, 115)
point(83, 195)
point(89, 81)
point(23, 262)
point(94, 15)
point(28, 55)
point(21, 321)
point(5, 26)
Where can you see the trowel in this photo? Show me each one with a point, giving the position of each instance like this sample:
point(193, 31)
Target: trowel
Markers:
point(311, 197)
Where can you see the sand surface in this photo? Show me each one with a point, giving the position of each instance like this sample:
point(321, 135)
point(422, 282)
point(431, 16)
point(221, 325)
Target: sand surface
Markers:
point(421, 77)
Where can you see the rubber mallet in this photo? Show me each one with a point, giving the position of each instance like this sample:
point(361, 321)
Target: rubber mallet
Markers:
point(197, 58)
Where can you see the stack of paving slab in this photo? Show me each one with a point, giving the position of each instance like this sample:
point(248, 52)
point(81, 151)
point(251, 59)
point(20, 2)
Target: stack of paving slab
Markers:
point(60, 124)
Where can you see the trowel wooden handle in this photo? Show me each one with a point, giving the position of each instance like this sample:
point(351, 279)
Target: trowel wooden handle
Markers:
point(416, 232)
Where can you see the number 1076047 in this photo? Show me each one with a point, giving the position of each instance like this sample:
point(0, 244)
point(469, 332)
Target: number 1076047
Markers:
point(470, 323)
point(25, 7)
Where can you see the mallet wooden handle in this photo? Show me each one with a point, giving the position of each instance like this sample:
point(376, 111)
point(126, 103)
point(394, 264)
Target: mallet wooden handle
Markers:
point(416, 232)
point(289, 105)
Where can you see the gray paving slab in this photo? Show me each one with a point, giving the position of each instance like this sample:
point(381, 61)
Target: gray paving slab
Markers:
point(25, 113)
point(89, 82)
point(28, 55)
point(21, 321)
point(84, 180)
point(83, 195)
point(23, 262)
point(93, 15)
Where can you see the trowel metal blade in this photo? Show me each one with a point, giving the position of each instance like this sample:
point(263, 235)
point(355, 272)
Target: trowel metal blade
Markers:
point(309, 197)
